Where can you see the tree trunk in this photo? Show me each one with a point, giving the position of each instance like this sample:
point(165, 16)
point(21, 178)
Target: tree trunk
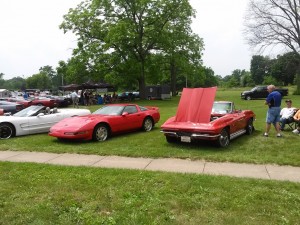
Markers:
point(173, 78)
point(141, 80)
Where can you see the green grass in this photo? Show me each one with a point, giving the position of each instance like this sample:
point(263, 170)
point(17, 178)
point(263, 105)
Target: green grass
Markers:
point(45, 194)
point(48, 194)
point(245, 149)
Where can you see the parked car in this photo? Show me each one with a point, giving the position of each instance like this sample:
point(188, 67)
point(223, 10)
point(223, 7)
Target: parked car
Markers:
point(10, 107)
point(35, 119)
point(261, 92)
point(43, 101)
point(22, 101)
point(107, 121)
point(200, 118)
point(126, 96)
point(61, 101)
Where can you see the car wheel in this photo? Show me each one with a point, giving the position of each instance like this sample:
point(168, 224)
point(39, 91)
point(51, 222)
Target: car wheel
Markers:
point(100, 132)
point(250, 127)
point(223, 140)
point(6, 131)
point(248, 97)
point(147, 124)
point(171, 139)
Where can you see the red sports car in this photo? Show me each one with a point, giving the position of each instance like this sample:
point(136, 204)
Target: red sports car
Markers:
point(107, 121)
point(200, 118)
point(25, 103)
point(43, 101)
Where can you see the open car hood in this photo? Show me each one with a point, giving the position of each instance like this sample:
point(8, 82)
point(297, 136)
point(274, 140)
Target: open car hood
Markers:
point(195, 105)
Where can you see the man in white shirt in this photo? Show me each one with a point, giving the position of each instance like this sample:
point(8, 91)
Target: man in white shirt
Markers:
point(286, 114)
point(75, 99)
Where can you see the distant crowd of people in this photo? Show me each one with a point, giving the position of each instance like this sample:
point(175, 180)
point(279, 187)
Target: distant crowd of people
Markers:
point(87, 97)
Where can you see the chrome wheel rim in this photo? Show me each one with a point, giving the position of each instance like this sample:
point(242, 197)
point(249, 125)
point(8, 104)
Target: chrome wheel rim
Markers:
point(224, 140)
point(148, 125)
point(101, 134)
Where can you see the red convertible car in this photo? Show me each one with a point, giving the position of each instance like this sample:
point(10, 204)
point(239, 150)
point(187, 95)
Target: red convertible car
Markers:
point(199, 117)
point(107, 121)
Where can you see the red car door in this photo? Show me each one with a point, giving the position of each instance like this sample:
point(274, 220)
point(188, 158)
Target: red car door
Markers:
point(238, 122)
point(131, 118)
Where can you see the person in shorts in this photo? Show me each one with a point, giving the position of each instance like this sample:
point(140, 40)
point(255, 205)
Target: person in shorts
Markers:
point(273, 101)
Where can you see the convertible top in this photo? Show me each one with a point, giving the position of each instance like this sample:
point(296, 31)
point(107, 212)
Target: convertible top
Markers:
point(195, 105)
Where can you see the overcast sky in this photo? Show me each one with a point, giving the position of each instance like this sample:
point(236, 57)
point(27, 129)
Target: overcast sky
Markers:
point(30, 37)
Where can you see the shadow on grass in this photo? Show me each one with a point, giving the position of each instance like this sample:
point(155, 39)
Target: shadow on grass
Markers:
point(121, 135)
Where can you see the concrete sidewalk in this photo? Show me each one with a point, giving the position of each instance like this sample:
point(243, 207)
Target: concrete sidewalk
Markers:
point(269, 172)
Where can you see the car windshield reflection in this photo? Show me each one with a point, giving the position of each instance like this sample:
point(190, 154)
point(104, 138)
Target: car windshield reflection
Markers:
point(30, 111)
point(109, 110)
point(222, 107)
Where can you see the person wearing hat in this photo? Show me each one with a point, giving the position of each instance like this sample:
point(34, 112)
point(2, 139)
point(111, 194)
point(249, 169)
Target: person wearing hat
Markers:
point(286, 114)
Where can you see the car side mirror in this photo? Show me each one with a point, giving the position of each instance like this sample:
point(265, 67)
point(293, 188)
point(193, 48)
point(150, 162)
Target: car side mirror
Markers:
point(125, 113)
point(41, 114)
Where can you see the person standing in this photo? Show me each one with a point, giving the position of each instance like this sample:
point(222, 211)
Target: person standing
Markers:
point(273, 101)
point(75, 99)
point(286, 114)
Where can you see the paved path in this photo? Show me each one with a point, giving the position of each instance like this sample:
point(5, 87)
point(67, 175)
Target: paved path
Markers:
point(269, 172)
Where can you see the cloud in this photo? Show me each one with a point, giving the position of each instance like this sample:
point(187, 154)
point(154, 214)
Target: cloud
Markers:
point(30, 37)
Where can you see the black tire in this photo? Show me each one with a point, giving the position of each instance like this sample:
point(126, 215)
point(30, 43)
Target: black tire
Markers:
point(6, 131)
point(248, 97)
point(224, 139)
point(250, 127)
point(148, 124)
point(171, 139)
point(101, 132)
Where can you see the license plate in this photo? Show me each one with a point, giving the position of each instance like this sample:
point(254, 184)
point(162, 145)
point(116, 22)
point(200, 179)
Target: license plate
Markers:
point(185, 139)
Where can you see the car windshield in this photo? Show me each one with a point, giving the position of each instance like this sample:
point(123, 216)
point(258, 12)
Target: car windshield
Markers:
point(110, 110)
point(222, 107)
point(30, 111)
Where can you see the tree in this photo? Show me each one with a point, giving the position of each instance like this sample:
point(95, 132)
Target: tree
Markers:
point(39, 81)
point(115, 33)
point(16, 83)
point(284, 68)
point(259, 68)
point(272, 23)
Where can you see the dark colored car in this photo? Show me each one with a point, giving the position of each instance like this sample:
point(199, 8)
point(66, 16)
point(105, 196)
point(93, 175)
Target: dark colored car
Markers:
point(10, 107)
point(261, 92)
point(128, 96)
point(61, 101)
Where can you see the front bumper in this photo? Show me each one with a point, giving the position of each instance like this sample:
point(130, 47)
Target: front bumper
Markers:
point(191, 135)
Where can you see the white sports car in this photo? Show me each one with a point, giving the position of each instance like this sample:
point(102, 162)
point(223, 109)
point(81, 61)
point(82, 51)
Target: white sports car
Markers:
point(35, 119)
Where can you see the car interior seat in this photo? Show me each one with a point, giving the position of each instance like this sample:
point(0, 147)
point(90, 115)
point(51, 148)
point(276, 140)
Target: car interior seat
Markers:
point(54, 110)
point(47, 110)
